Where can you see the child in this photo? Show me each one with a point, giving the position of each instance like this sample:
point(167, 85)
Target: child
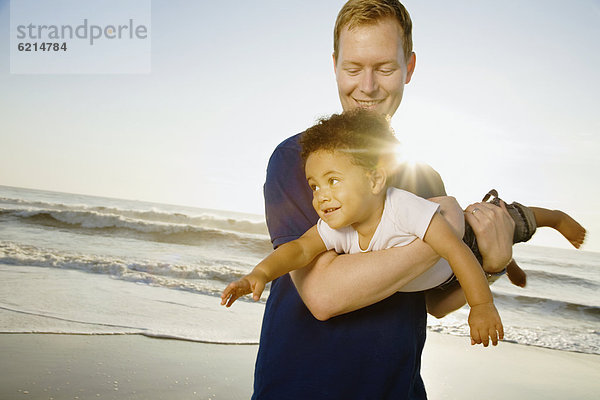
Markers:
point(347, 160)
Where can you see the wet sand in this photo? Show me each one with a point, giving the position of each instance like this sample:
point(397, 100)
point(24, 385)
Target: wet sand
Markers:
point(49, 366)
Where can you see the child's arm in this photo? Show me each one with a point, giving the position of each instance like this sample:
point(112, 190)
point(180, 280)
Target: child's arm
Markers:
point(484, 320)
point(287, 257)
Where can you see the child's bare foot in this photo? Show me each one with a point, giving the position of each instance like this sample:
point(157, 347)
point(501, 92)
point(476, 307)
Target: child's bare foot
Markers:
point(570, 229)
point(516, 275)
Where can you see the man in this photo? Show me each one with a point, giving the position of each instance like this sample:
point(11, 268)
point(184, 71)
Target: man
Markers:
point(338, 329)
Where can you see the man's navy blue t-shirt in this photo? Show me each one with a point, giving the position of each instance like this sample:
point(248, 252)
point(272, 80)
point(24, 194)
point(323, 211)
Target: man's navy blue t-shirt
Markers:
point(371, 353)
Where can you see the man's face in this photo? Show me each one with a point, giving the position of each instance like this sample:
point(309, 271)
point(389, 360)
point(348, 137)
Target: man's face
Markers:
point(371, 69)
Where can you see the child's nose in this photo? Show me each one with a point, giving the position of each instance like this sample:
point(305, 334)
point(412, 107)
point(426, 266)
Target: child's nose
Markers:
point(322, 195)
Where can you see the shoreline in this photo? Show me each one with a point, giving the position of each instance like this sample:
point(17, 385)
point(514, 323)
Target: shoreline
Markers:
point(179, 339)
point(132, 366)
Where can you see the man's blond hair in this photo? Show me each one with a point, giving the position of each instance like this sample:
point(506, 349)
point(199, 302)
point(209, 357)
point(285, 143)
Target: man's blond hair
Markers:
point(364, 12)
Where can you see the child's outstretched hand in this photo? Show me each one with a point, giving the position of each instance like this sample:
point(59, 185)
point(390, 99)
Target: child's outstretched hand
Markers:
point(253, 283)
point(485, 324)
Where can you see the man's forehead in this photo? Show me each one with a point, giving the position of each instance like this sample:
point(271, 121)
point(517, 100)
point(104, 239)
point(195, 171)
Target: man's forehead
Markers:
point(380, 30)
point(376, 42)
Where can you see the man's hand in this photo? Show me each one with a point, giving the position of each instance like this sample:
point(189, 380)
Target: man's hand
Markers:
point(494, 230)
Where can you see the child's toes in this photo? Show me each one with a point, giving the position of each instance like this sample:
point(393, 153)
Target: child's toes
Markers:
point(579, 240)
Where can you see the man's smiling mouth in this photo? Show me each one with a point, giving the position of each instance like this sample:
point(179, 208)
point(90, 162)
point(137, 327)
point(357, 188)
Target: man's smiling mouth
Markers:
point(367, 103)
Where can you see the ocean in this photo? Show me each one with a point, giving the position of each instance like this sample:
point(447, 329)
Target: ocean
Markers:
point(80, 264)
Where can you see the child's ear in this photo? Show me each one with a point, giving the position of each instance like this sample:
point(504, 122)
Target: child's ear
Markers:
point(378, 178)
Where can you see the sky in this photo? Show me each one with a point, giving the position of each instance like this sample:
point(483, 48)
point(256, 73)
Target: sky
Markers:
point(505, 95)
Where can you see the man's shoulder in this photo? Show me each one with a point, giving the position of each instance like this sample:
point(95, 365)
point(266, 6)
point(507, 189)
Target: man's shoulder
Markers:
point(288, 198)
point(420, 179)
point(286, 153)
point(291, 143)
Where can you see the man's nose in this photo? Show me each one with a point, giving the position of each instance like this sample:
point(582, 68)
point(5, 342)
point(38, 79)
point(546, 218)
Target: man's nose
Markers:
point(368, 82)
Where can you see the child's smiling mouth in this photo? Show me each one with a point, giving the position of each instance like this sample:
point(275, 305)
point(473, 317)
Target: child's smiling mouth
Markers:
point(330, 210)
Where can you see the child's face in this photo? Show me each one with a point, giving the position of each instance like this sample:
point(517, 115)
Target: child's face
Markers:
point(342, 190)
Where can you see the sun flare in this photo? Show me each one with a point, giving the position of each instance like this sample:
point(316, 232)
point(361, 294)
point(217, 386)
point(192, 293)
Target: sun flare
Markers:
point(406, 154)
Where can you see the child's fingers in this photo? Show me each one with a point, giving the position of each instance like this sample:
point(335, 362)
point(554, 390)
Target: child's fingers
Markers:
point(485, 339)
point(500, 330)
point(475, 338)
point(226, 293)
point(224, 300)
point(494, 336)
point(233, 298)
point(257, 290)
point(232, 292)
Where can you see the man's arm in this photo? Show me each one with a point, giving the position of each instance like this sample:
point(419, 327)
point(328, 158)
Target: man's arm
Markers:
point(366, 278)
point(337, 284)
point(441, 302)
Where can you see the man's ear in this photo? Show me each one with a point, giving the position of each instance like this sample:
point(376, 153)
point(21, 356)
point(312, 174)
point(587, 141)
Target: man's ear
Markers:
point(410, 67)
point(334, 63)
point(378, 178)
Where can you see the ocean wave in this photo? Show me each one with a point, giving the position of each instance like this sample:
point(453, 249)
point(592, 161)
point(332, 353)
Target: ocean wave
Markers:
point(208, 278)
point(160, 231)
point(559, 261)
point(548, 337)
point(564, 279)
point(548, 306)
point(153, 215)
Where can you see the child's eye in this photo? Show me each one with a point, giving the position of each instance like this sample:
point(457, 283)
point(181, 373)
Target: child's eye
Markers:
point(314, 188)
point(334, 181)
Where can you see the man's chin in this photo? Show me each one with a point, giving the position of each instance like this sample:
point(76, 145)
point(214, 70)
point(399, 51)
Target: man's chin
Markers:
point(381, 108)
point(373, 106)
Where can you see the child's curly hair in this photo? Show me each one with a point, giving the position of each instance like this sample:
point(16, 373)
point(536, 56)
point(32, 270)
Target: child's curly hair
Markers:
point(364, 135)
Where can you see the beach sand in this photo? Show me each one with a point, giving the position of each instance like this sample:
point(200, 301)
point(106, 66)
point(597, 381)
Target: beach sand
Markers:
point(49, 366)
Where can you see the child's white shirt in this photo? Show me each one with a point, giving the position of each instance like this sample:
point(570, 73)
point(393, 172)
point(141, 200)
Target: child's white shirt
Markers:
point(405, 218)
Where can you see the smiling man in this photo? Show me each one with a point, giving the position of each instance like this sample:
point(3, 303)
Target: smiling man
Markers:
point(371, 64)
point(339, 328)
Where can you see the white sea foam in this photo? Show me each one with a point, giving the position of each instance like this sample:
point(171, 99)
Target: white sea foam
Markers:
point(205, 279)
point(80, 264)
point(67, 301)
point(103, 217)
point(92, 222)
